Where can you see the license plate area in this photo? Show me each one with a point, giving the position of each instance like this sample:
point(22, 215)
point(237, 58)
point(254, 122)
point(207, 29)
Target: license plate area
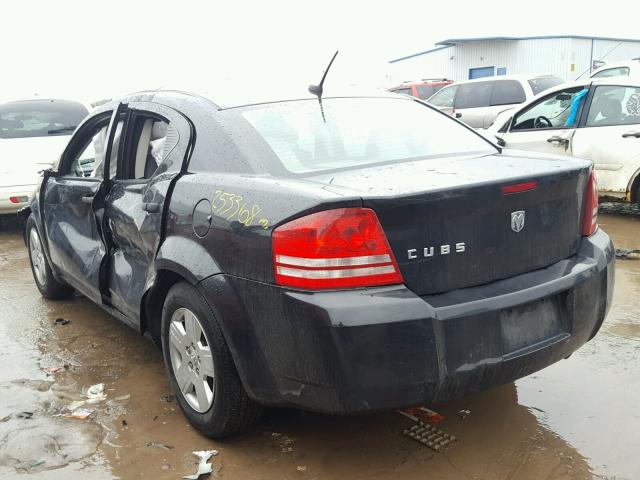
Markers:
point(539, 322)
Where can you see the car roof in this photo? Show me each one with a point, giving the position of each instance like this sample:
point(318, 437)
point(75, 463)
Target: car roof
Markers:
point(424, 81)
point(516, 76)
point(227, 100)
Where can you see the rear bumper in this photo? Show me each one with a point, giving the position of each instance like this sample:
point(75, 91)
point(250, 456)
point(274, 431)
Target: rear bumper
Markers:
point(382, 348)
point(7, 206)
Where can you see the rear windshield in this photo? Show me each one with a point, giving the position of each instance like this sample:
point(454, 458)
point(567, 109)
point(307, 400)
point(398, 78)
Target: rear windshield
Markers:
point(425, 91)
point(40, 118)
point(356, 132)
point(543, 83)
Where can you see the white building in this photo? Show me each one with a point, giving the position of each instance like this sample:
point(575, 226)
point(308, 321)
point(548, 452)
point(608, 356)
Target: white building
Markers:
point(569, 57)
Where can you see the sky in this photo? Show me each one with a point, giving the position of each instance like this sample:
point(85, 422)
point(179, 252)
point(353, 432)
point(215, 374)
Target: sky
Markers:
point(88, 50)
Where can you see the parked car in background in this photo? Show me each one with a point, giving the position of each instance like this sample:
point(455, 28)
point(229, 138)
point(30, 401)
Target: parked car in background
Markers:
point(627, 68)
point(422, 89)
point(597, 119)
point(33, 134)
point(478, 102)
point(355, 254)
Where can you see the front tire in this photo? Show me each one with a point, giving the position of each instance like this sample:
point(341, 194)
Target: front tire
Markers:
point(201, 371)
point(49, 287)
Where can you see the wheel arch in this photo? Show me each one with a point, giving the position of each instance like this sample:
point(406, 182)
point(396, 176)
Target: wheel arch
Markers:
point(634, 187)
point(172, 265)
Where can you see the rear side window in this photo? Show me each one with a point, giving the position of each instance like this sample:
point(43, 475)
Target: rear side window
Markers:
point(425, 91)
point(541, 84)
point(40, 118)
point(507, 92)
point(614, 105)
point(474, 95)
point(358, 132)
point(612, 72)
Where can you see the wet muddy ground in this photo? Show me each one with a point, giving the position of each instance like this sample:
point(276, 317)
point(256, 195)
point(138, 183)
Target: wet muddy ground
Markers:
point(577, 419)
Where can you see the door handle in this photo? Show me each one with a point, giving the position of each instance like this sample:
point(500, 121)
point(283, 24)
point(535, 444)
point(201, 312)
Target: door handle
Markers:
point(88, 199)
point(558, 139)
point(151, 207)
point(631, 134)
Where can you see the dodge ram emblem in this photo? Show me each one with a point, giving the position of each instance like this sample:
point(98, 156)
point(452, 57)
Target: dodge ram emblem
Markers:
point(517, 221)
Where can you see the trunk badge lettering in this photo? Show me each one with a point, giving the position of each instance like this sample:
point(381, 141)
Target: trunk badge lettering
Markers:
point(445, 249)
point(517, 221)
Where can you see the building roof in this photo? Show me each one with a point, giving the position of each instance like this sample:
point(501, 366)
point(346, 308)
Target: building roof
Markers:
point(458, 41)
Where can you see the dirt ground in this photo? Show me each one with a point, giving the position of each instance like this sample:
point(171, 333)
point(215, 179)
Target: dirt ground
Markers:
point(577, 419)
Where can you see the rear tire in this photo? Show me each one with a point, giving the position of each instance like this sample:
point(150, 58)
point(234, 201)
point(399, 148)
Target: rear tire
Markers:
point(49, 287)
point(201, 371)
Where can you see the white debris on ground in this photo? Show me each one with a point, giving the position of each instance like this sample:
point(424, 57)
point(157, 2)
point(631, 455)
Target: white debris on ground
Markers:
point(204, 468)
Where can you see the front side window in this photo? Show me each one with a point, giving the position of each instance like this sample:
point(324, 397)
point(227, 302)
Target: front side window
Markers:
point(612, 72)
point(89, 162)
point(444, 98)
point(474, 95)
point(614, 105)
point(40, 118)
point(357, 132)
point(552, 111)
point(507, 92)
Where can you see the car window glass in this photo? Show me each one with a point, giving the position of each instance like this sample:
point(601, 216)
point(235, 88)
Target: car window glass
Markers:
point(444, 98)
point(99, 142)
point(614, 105)
point(474, 95)
point(91, 155)
point(507, 92)
point(541, 84)
point(40, 118)
point(153, 139)
point(552, 111)
point(354, 132)
point(612, 72)
point(406, 91)
point(425, 91)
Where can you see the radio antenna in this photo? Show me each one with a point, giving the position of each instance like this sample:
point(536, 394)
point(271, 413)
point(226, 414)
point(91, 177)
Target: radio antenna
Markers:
point(317, 89)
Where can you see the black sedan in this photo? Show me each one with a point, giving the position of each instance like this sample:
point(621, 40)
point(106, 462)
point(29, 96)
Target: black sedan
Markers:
point(344, 254)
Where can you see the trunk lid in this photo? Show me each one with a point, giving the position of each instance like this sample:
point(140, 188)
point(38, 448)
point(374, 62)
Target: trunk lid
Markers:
point(449, 223)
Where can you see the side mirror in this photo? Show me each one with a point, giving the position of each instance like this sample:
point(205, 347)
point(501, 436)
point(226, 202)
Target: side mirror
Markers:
point(500, 141)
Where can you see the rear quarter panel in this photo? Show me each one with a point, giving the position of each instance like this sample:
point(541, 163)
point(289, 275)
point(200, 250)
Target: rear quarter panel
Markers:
point(231, 217)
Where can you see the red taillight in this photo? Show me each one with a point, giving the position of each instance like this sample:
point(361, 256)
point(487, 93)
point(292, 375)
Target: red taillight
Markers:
point(19, 199)
point(590, 209)
point(341, 248)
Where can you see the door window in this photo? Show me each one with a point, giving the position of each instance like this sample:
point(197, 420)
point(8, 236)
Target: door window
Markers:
point(507, 92)
point(445, 97)
point(614, 105)
point(552, 111)
point(89, 161)
point(474, 95)
point(151, 141)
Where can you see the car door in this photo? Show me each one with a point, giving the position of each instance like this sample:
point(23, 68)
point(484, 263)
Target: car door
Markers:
point(72, 201)
point(610, 136)
point(156, 145)
point(548, 124)
point(473, 102)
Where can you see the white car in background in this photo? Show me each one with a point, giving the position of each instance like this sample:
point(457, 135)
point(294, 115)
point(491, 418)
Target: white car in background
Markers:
point(33, 134)
point(627, 68)
point(478, 102)
point(597, 119)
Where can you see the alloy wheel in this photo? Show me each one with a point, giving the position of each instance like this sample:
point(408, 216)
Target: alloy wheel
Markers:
point(191, 359)
point(37, 257)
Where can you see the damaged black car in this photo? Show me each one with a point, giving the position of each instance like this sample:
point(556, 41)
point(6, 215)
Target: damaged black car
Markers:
point(341, 254)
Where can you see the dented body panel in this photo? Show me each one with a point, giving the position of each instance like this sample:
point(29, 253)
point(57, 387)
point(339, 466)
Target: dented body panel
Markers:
point(493, 306)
